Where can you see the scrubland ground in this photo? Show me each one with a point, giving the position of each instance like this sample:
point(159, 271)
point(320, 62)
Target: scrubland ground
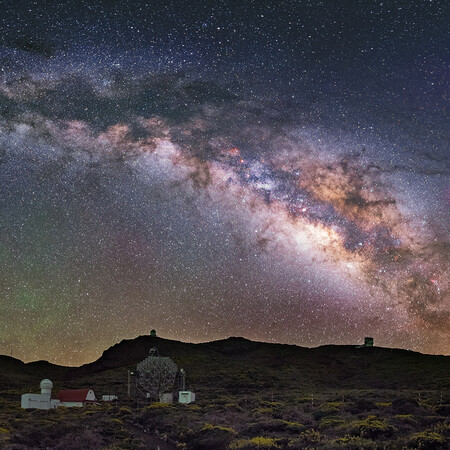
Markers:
point(352, 419)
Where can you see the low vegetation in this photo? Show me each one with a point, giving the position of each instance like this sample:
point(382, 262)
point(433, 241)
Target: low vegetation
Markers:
point(364, 420)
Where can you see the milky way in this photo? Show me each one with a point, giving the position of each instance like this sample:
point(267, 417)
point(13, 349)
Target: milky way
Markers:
point(278, 171)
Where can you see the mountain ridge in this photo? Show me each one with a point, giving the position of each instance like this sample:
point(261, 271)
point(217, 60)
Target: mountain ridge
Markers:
point(242, 365)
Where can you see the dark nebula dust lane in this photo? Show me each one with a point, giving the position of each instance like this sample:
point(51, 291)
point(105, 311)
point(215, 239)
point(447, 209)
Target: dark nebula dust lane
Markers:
point(273, 170)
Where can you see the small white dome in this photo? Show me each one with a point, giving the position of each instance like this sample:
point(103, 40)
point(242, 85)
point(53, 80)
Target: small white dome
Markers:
point(46, 384)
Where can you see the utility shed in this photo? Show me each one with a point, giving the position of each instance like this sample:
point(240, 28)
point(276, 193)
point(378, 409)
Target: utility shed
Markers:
point(186, 397)
point(77, 397)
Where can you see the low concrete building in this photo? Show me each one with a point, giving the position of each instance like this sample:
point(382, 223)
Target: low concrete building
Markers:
point(186, 397)
point(166, 397)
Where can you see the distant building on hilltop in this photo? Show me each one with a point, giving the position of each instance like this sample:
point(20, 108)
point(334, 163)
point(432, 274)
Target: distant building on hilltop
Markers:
point(368, 342)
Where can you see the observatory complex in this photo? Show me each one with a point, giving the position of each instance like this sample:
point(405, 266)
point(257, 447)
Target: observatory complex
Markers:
point(68, 398)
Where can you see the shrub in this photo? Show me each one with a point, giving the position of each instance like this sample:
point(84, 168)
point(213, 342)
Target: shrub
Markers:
point(326, 409)
point(353, 442)
point(127, 444)
point(295, 444)
point(405, 418)
point(256, 442)
point(371, 427)
point(427, 440)
point(262, 411)
point(113, 428)
point(194, 408)
point(331, 422)
point(309, 437)
point(212, 436)
point(157, 405)
point(89, 413)
point(124, 411)
point(383, 404)
point(333, 405)
point(117, 421)
point(209, 426)
point(296, 414)
point(294, 426)
point(274, 426)
point(442, 428)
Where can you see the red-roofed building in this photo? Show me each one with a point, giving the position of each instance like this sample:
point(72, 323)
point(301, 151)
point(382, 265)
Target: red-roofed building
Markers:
point(77, 397)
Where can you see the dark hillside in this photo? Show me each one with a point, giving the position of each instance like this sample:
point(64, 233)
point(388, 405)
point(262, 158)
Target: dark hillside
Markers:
point(16, 374)
point(238, 365)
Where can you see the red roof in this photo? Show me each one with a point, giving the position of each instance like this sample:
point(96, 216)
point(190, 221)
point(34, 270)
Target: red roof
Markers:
point(77, 395)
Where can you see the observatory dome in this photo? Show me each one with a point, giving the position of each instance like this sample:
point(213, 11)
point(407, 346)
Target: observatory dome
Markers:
point(46, 384)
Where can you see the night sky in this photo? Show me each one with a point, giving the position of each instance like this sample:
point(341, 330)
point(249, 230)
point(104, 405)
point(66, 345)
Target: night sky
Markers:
point(277, 170)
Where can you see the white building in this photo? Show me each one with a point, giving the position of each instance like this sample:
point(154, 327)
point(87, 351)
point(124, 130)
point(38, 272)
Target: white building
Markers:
point(42, 400)
point(186, 397)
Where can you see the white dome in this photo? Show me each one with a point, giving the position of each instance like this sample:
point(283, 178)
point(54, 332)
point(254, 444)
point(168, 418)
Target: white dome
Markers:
point(46, 384)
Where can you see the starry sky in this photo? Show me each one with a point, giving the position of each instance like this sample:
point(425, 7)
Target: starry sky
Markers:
point(277, 170)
